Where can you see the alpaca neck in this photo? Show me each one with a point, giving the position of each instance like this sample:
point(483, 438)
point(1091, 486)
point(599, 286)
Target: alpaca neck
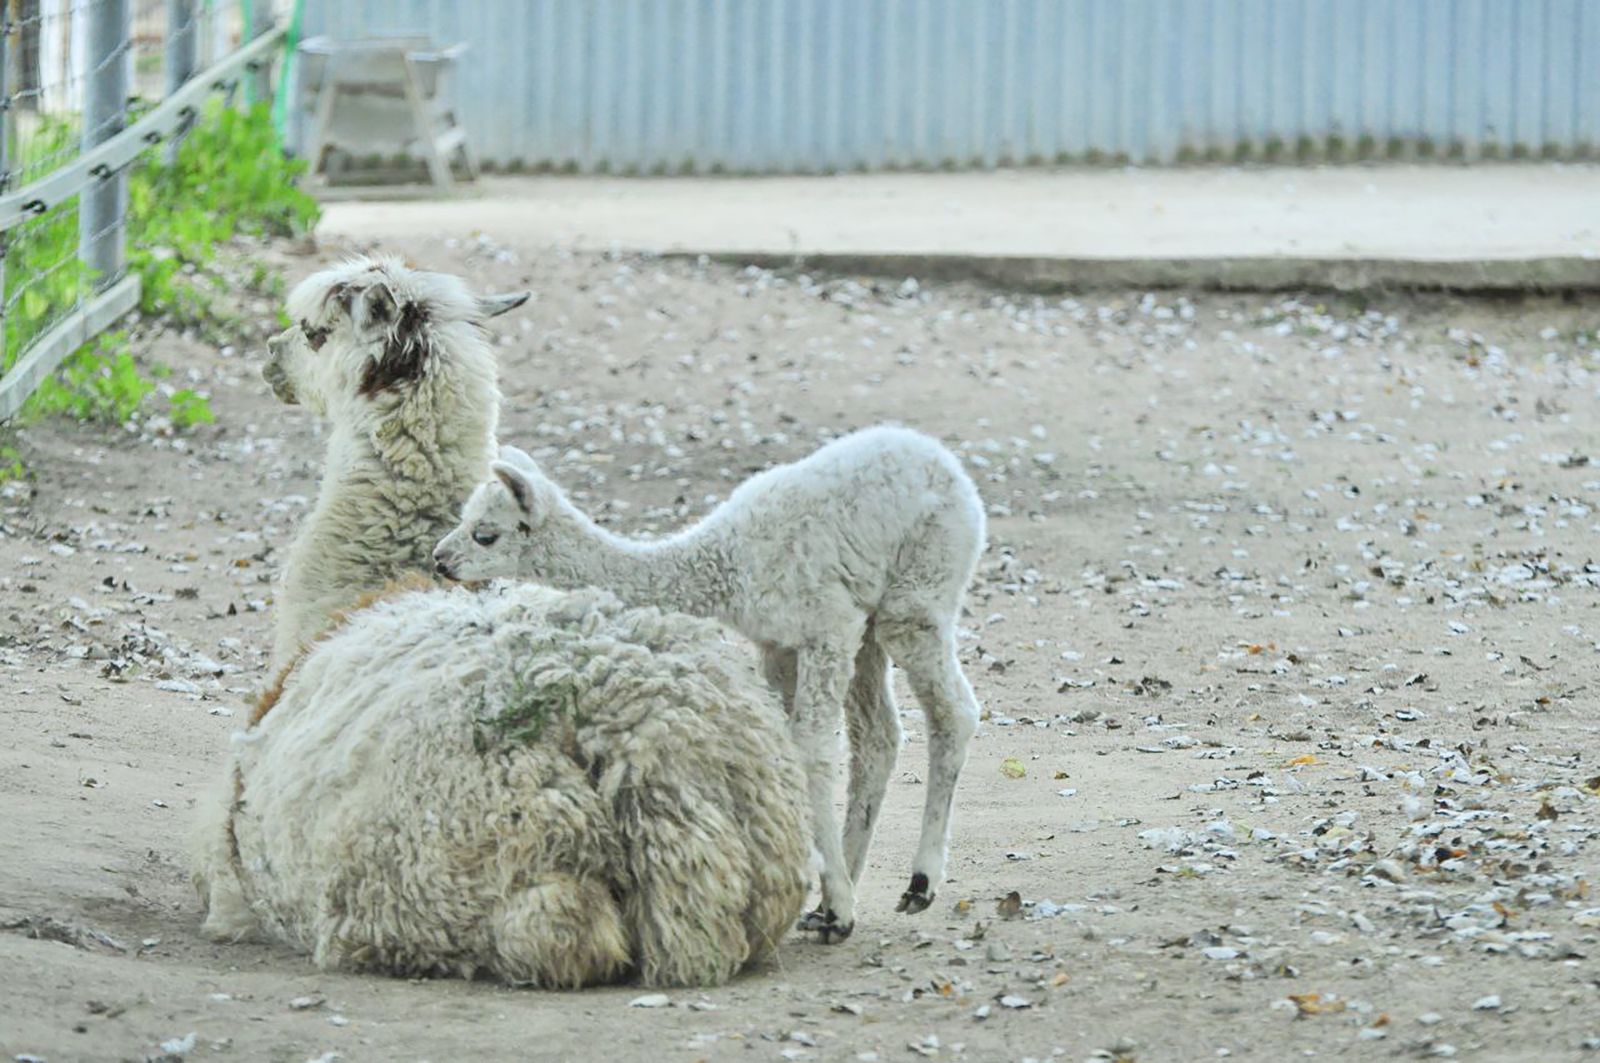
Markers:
point(677, 573)
point(443, 432)
point(380, 478)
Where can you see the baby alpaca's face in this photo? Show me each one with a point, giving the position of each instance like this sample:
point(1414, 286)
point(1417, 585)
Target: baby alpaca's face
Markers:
point(484, 545)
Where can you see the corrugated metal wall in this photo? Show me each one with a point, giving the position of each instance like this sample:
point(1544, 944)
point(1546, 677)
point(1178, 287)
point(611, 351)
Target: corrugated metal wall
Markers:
point(780, 86)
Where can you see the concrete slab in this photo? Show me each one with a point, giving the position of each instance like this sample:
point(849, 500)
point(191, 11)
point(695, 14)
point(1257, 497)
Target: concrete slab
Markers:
point(1486, 226)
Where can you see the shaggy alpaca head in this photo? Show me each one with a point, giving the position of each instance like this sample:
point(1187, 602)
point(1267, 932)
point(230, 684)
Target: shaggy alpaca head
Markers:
point(369, 328)
point(499, 523)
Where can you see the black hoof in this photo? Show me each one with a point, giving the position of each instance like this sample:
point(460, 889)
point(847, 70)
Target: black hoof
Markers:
point(917, 898)
point(912, 903)
point(825, 925)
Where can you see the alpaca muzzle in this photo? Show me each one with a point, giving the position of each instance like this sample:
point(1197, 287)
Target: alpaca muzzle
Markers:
point(441, 564)
point(275, 376)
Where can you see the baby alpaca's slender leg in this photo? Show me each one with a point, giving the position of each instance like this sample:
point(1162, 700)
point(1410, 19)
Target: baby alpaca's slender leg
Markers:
point(874, 728)
point(822, 676)
point(927, 652)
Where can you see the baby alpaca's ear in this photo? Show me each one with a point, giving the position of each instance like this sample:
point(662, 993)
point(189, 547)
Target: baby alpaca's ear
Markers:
point(512, 456)
point(517, 483)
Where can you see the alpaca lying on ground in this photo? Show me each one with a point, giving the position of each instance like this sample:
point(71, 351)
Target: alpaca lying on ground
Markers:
point(544, 787)
point(396, 360)
point(835, 564)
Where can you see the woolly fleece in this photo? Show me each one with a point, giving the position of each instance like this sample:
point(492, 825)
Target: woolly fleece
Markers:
point(377, 817)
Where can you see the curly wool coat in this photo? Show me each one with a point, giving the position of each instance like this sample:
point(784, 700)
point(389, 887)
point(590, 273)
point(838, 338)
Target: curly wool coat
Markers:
point(543, 787)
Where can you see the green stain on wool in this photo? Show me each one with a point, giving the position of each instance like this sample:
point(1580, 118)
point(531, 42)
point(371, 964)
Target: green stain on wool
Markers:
point(535, 701)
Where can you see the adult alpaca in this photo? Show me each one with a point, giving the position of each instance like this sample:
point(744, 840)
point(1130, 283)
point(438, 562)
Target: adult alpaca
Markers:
point(834, 565)
point(542, 787)
point(396, 360)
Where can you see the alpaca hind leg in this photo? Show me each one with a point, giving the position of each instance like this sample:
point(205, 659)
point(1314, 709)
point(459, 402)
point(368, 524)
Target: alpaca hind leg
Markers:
point(689, 889)
point(821, 678)
point(778, 665)
point(563, 932)
point(925, 649)
point(874, 728)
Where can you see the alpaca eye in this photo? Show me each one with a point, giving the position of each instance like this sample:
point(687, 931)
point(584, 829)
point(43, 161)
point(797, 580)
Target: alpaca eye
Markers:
point(316, 337)
point(485, 537)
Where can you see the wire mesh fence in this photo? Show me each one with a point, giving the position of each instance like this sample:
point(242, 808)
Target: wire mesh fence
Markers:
point(75, 75)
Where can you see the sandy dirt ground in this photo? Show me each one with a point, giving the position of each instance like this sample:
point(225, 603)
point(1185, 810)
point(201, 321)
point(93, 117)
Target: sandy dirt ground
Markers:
point(1286, 633)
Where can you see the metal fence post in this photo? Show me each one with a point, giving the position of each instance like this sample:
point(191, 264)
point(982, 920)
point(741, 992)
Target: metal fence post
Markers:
point(261, 16)
point(5, 168)
point(183, 35)
point(101, 205)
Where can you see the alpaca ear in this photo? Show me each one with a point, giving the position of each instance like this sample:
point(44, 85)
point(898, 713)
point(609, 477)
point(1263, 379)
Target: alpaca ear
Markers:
point(518, 484)
point(515, 457)
point(498, 303)
point(403, 358)
point(373, 308)
point(341, 295)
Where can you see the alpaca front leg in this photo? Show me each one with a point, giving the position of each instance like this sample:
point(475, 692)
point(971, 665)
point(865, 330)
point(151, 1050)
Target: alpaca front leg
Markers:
point(216, 868)
point(822, 676)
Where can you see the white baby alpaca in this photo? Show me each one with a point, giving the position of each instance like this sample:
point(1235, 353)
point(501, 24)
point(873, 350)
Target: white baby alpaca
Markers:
point(834, 565)
point(396, 360)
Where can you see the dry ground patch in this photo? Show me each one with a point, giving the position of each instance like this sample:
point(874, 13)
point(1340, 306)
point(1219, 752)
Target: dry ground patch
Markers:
point(1287, 634)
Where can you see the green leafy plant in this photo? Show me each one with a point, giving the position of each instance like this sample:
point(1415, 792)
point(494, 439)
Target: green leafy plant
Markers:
point(43, 275)
point(189, 408)
point(43, 279)
point(99, 383)
point(230, 163)
point(11, 467)
point(228, 178)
